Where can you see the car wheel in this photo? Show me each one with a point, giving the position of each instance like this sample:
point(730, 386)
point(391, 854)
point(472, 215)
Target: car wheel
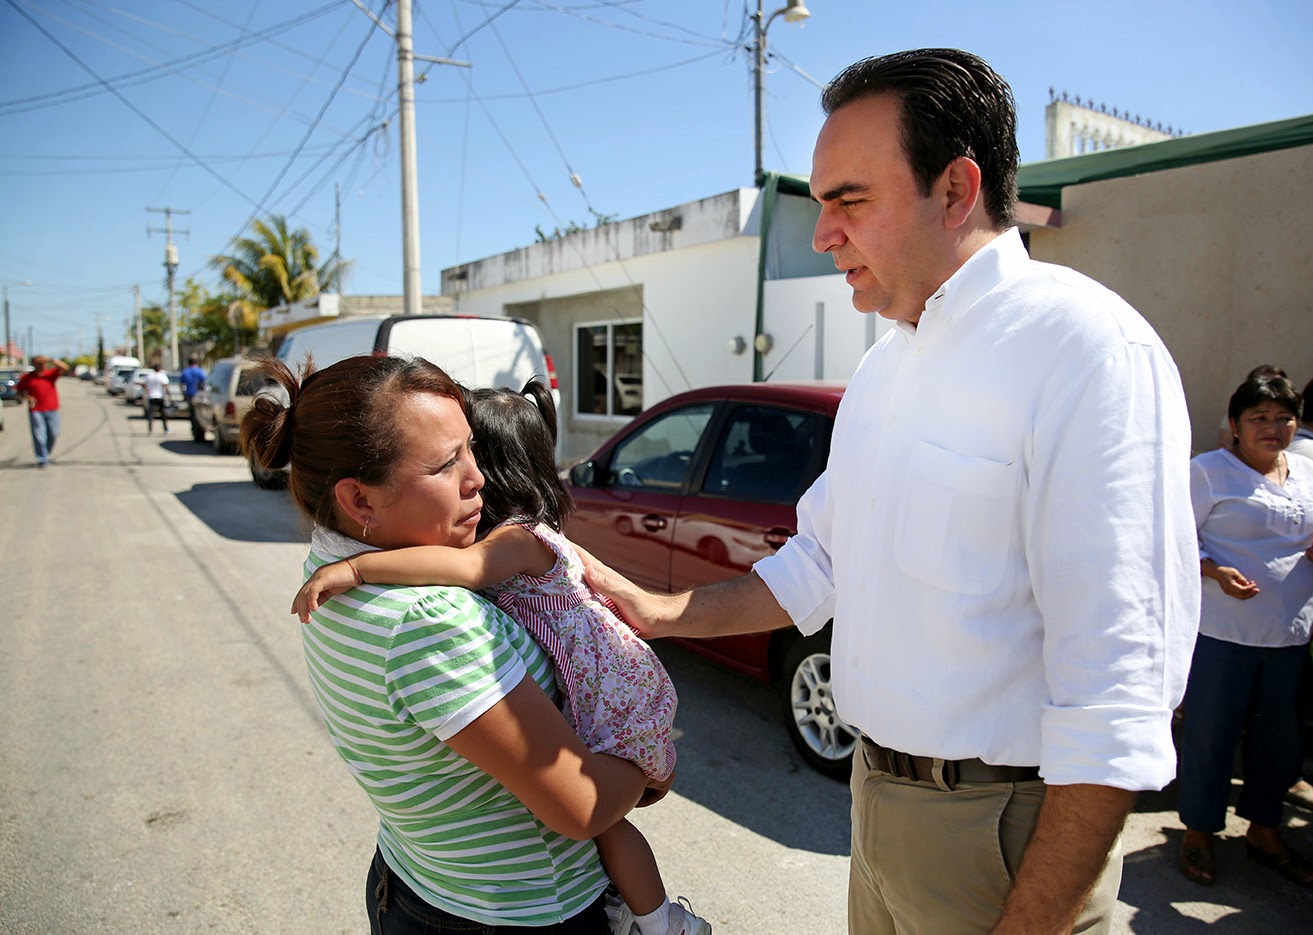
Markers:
point(266, 479)
point(221, 446)
point(823, 738)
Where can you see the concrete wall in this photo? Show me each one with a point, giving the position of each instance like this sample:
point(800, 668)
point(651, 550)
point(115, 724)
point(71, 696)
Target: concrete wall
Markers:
point(1218, 257)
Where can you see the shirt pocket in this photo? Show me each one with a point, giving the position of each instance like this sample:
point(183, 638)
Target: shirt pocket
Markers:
point(955, 524)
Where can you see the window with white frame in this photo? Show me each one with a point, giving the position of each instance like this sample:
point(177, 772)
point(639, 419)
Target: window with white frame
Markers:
point(608, 368)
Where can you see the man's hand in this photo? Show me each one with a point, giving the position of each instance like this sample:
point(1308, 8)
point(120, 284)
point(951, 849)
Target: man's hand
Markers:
point(1077, 828)
point(635, 604)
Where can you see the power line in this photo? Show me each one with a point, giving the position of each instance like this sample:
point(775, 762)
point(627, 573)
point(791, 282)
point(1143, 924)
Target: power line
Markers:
point(131, 106)
point(140, 76)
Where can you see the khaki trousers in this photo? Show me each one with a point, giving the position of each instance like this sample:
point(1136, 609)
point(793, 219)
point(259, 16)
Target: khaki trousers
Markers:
point(929, 862)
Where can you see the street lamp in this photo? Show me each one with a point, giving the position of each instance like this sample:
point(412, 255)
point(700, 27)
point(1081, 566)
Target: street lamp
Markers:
point(795, 12)
point(25, 282)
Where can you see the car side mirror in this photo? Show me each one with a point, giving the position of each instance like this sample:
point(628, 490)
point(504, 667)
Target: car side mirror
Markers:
point(582, 474)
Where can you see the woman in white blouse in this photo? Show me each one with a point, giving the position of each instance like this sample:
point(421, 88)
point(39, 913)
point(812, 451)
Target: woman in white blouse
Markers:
point(1253, 506)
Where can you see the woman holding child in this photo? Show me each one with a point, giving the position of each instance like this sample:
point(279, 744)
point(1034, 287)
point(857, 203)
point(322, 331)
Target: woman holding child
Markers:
point(441, 705)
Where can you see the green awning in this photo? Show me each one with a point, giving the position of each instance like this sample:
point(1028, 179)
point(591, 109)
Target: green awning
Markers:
point(1042, 183)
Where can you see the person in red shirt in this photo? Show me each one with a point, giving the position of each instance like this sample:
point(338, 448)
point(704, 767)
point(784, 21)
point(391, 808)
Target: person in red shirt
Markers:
point(37, 387)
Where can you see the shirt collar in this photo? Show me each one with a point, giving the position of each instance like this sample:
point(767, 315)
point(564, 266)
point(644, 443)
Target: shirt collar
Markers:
point(1003, 257)
point(327, 542)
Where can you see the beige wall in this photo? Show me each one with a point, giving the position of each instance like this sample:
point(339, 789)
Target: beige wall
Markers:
point(1218, 257)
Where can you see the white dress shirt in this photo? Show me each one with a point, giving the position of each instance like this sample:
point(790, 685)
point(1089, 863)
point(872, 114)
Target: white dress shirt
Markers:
point(1261, 529)
point(1003, 533)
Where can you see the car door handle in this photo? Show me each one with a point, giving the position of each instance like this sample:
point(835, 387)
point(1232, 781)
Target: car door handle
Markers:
point(776, 537)
point(654, 523)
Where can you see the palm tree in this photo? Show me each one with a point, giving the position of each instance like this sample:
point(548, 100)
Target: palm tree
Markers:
point(275, 266)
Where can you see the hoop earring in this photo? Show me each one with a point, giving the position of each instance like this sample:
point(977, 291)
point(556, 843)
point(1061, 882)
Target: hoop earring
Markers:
point(366, 532)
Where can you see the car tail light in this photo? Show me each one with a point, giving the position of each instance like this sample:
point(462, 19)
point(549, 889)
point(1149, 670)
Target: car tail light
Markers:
point(230, 410)
point(551, 372)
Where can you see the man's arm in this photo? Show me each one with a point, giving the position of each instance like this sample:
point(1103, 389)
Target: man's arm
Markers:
point(1076, 830)
point(63, 367)
point(740, 605)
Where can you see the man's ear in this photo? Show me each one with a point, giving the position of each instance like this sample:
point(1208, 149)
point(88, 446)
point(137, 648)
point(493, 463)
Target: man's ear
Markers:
point(355, 500)
point(960, 184)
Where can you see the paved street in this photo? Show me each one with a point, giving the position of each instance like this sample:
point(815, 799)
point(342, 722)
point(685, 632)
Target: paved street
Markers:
point(163, 767)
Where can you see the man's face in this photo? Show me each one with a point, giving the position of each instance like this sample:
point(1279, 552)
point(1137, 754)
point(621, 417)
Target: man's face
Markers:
point(39, 362)
point(881, 231)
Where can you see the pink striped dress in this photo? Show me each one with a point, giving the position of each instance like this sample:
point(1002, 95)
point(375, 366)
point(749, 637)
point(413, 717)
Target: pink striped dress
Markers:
point(617, 695)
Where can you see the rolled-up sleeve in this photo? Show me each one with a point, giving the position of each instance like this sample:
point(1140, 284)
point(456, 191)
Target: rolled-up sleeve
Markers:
point(1113, 556)
point(800, 575)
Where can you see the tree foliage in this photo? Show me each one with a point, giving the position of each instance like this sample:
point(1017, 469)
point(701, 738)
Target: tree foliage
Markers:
point(274, 265)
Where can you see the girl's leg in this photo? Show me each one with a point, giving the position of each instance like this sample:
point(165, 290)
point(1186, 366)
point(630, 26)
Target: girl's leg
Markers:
point(632, 867)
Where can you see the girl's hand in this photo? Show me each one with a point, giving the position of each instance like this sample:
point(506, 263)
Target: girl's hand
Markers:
point(327, 581)
point(656, 791)
point(1235, 584)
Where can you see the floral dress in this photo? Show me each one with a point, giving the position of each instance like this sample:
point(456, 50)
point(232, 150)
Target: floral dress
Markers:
point(617, 695)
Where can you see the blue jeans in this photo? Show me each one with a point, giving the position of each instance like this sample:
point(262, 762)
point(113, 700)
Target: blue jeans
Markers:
point(394, 909)
point(45, 429)
point(1239, 691)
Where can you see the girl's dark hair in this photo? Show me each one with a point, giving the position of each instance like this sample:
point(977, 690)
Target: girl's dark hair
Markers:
point(952, 104)
point(1258, 390)
point(515, 447)
point(336, 423)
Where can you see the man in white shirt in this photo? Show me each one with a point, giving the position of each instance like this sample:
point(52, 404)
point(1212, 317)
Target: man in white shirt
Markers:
point(1003, 536)
point(156, 385)
point(1302, 443)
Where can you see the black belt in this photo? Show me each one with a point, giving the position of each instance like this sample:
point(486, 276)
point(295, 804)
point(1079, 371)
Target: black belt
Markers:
point(943, 773)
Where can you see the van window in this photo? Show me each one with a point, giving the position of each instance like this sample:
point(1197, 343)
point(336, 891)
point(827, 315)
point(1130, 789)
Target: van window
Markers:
point(218, 378)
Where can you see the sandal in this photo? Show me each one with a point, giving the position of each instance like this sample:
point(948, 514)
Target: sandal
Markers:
point(1288, 863)
point(1196, 862)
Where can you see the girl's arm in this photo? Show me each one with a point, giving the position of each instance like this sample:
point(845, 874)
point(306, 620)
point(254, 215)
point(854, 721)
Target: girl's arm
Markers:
point(503, 553)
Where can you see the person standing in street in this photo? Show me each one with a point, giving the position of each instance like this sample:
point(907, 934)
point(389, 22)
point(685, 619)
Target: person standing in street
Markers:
point(37, 387)
point(1003, 535)
point(192, 379)
point(156, 389)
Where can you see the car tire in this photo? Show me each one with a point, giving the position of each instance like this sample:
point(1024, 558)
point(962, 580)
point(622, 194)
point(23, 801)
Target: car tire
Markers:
point(221, 446)
point(266, 479)
point(824, 739)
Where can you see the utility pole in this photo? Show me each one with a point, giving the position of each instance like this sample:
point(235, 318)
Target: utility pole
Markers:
point(171, 266)
point(794, 12)
point(337, 236)
point(141, 344)
point(404, 35)
point(6, 322)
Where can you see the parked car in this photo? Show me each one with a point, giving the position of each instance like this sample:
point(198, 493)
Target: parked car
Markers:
point(476, 350)
point(218, 406)
point(696, 489)
point(134, 388)
point(9, 384)
point(119, 379)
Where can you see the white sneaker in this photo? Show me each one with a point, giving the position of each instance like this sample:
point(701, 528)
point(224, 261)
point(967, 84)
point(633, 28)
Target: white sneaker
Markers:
point(619, 917)
point(684, 922)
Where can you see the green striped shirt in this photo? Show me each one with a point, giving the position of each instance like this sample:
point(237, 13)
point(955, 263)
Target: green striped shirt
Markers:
point(396, 672)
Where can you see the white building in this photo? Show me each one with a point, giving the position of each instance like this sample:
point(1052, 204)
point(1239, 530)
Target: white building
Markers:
point(638, 310)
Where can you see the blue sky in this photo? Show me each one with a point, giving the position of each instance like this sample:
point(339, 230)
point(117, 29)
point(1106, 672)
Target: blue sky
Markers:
point(648, 101)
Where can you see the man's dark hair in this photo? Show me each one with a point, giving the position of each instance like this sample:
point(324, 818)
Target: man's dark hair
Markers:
point(953, 104)
point(191, 361)
point(1306, 397)
point(1266, 389)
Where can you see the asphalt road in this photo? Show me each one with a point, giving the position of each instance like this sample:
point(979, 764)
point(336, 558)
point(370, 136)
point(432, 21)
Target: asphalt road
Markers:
point(163, 767)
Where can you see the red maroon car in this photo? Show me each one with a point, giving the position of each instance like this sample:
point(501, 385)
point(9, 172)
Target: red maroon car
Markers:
point(696, 489)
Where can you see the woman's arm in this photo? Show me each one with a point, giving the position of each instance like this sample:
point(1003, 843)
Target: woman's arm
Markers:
point(1232, 582)
point(504, 553)
point(525, 744)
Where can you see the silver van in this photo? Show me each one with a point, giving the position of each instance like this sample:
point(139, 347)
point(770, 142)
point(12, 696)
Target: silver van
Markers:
point(474, 350)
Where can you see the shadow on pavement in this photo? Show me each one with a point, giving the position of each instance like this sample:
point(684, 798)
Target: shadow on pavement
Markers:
point(183, 445)
point(241, 511)
point(735, 759)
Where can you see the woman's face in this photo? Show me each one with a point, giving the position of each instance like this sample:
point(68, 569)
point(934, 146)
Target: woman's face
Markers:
point(432, 497)
point(1264, 430)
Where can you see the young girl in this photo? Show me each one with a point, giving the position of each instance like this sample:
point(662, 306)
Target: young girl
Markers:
point(616, 694)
